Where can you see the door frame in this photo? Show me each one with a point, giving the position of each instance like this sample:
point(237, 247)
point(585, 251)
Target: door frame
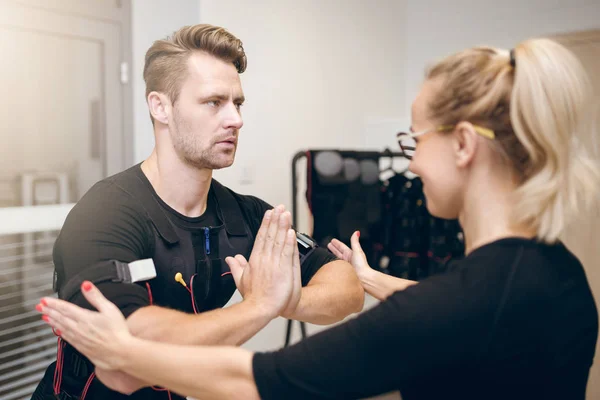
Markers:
point(119, 16)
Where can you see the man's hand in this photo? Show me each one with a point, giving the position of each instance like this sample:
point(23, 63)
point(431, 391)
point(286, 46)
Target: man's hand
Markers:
point(268, 279)
point(120, 381)
point(296, 286)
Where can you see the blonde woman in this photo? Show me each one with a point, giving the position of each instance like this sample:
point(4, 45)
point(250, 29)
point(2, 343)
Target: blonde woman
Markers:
point(496, 140)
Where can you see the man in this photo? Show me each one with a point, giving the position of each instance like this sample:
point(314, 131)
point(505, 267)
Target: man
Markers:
point(170, 209)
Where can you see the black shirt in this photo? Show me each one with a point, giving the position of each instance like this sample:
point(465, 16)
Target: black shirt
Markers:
point(513, 320)
point(109, 223)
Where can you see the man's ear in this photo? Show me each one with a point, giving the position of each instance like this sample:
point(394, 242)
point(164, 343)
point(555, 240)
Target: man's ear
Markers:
point(159, 106)
point(465, 143)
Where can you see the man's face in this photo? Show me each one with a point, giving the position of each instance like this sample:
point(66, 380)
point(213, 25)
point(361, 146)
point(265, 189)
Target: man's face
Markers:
point(206, 117)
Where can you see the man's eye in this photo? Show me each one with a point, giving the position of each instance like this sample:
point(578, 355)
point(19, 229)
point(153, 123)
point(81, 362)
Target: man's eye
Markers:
point(239, 105)
point(213, 103)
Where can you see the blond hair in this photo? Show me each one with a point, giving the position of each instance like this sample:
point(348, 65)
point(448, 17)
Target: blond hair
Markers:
point(539, 110)
point(165, 65)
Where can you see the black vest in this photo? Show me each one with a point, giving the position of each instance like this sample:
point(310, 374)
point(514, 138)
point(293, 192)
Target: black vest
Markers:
point(200, 255)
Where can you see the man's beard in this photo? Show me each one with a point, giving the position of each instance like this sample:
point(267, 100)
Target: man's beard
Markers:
point(189, 151)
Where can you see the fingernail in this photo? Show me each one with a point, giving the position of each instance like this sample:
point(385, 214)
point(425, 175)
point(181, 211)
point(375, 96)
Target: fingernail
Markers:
point(39, 307)
point(357, 234)
point(58, 332)
point(268, 214)
point(87, 286)
point(45, 318)
point(44, 302)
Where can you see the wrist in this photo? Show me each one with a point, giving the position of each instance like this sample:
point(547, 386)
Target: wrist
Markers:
point(261, 309)
point(366, 276)
point(126, 352)
point(292, 312)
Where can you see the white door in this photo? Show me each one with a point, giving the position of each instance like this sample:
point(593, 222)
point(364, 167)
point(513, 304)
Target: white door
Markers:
point(62, 113)
point(583, 238)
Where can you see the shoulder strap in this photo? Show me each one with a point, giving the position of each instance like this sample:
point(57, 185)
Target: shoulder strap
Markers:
point(229, 210)
point(145, 196)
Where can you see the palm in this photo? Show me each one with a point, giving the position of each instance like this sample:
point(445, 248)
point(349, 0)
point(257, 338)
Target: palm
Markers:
point(355, 255)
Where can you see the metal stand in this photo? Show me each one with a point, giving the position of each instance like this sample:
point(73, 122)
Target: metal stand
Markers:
point(297, 157)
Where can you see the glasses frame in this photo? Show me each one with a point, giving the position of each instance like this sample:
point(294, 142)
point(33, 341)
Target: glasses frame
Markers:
point(485, 132)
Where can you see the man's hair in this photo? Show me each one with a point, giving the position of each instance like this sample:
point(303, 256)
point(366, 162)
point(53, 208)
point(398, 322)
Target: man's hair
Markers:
point(537, 103)
point(165, 66)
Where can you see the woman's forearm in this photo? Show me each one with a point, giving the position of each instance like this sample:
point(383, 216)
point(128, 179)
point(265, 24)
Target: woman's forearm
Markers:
point(380, 285)
point(200, 372)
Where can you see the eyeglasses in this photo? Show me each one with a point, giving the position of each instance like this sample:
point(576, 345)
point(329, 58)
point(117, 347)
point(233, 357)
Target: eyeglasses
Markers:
point(408, 145)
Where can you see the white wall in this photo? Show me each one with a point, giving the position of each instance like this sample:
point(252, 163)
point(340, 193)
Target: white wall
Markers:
point(437, 28)
point(152, 20)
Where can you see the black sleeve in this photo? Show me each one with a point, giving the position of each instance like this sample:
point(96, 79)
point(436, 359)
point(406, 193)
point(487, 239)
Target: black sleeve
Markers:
point(256, 208)
point(415, 333)
point(106, 224)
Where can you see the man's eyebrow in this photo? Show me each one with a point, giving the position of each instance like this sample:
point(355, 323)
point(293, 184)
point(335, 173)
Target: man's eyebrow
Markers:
point(222, 97)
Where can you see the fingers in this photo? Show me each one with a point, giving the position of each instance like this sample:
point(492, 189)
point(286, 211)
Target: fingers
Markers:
point(355, 243)
point(275, 248)
point(64, 317)
point(296, 265)
point(287, 251)
point(335, 250)
point(96, 298)
point(64, 326)
point(272, 231)
point(56, 308)
point(237, 266)
point(340, 250)
point(259, 243)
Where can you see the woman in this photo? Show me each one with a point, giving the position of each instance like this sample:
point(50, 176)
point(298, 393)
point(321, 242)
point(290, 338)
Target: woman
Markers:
point(497, 145)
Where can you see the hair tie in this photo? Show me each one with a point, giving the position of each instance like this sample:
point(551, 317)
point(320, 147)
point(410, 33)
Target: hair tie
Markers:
point(513, 61)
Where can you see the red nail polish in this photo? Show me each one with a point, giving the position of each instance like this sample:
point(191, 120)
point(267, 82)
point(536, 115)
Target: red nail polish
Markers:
point(87, 286)
point(39, 307)
point(44, 302)
point(358, 234)
point(45, 318)
point(59, 333)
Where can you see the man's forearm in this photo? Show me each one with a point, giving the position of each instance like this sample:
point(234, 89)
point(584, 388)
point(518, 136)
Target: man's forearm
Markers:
point(196, 371)
point(381, 286)
point(227, 326)
point(332, 294)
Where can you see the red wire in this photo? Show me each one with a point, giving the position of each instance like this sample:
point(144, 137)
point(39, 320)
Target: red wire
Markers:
point(149, 292)
point(87, 386)
point(159, 389)
point(59, 366)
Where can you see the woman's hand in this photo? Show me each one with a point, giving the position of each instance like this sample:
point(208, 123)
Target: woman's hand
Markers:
point(101, 336)
point(355, 255)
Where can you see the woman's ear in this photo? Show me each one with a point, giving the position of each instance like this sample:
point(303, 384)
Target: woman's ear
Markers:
point(465, 143)
point(159, 106)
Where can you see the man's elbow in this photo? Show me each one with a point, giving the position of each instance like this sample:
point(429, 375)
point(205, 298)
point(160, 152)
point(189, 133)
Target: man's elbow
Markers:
point(351, 300)
point(355, 298)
